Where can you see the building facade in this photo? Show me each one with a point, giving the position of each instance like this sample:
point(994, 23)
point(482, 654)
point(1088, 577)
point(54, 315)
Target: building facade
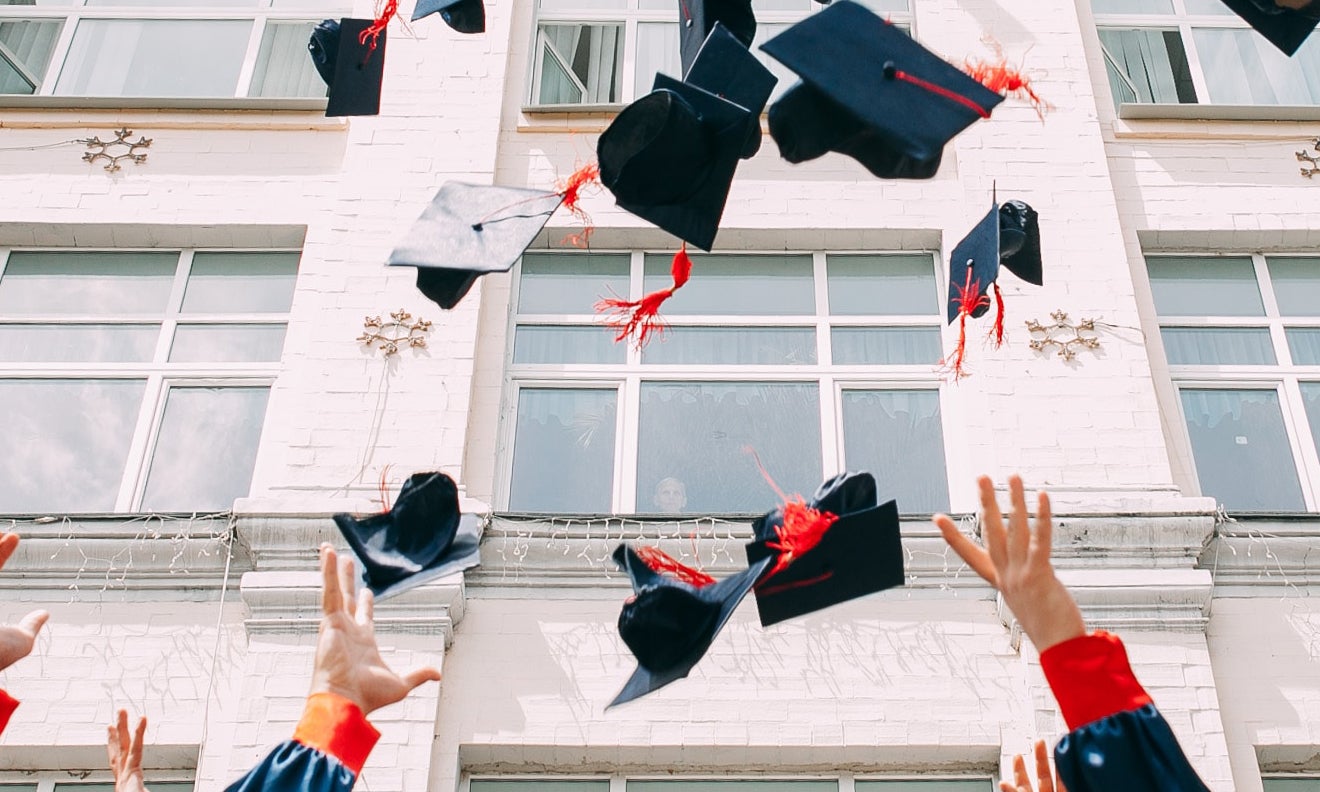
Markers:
point(187, 399)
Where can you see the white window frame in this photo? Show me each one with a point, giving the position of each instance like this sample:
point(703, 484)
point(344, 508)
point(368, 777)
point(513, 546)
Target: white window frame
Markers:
point(629, 17)
point(72, 14)
point(160, 374)
point(627, 378)
point(1284, 377)
point(619, 782)
point(48, 780)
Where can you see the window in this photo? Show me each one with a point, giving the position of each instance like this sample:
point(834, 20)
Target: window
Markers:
point(57, 782)
point(1199, 52)
point(1291, 783)
point(912, 784)
point(607, 52)
point(819, 362)
point(136, 381)
point(1242, 337)
point(160, 48)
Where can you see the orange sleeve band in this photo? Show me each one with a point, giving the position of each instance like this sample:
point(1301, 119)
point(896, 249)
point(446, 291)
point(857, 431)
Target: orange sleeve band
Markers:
point(336, 726)
point(7, 706)
point(1092, 679)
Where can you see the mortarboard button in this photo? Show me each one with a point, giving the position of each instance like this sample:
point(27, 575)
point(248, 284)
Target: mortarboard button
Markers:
point(465, 16)
point(1286, 27)
point(351, 68)
point(699, 17)
point(468, 231)
point(909, 99)
point(726, 68)
point(424, 536)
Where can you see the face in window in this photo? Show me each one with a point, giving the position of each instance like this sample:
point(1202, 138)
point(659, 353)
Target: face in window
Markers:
point(670, 496)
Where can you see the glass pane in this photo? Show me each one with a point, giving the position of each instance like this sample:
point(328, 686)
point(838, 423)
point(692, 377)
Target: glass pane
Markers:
point(883, 7)
point(734, 785)
point(942, 785)
point(1147, 66)
point(698, 434)
point(154, 57)
point(25, 48)
point(283, 68)
point(1208, 346)
point(224, 421)
point(490, 785)
point(78, 343)
point(337, 8)
point(897, 435)
point(748, 346)
point(1241, 449)
point(657, 52)
point(24, 787)
point(177, 3)
point(580, 64)
point(1204, 286)
point(587, 5)
point(1296, 285)
point(885, 346)
point(569, 283)
point(1304, 345)
point(882, 285)
point(66, 443)
point(566, 345)
point(1207, 7)
point(1243, 68)
point(563, 451)
point(97, 284)
point(241, 283)
point(219, 343)
point(731, 285)
point(1132, 6)
point(1292, 784)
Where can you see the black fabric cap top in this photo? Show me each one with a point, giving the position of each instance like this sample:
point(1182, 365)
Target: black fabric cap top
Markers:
point(725, 67)
point(465, 16)
point(697, 18)
point(423, 536)
point(358, 70)
point(913, 100)
point(860, 554)
point(324, 49)
point(1019, 241)
point(1286, 28)
point(974, 265)
point(469, 230)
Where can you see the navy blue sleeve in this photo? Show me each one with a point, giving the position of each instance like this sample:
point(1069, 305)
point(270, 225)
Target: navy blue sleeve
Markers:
point(1130, 751)
point(294, 767)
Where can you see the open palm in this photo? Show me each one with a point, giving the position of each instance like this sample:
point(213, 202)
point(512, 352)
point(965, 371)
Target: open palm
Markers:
point(16, 640)
point(1045, 780)
point(126, 754)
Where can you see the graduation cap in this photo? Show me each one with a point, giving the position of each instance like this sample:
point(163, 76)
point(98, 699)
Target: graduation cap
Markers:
point(1286, 28)
point(674, 615)
point(698, 18)
point(872, 92)
point(422, 537)
point(853, 549)
point(725, 67)
point(465, 16)
point(350, 56)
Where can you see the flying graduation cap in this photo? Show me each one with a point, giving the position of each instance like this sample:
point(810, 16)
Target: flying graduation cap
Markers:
point(698, 18)
point(465, 16)
point(1286, 27)
point(674, 615)
point(839, 546)
point(1007, 235)
point(350, 56)
point(871, 92)
point(422, 537)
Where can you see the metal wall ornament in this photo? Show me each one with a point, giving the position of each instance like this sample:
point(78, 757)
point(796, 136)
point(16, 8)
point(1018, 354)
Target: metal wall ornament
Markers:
point(401, 330)
point(1064, 335)
point(1312, 160)
point(98, 149)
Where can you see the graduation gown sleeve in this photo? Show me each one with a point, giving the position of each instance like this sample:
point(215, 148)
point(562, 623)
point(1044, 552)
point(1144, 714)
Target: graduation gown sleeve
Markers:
point(1118, 739)
point(327, 751)
point(7, 706)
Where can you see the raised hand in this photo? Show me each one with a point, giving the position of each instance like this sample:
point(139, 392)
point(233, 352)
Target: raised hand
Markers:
point(1018, 565)
point(126, 754)
point(348, 663)
point(1045, 780)
point(16, 640)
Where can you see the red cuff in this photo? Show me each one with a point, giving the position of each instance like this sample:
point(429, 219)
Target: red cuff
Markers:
point(1091, 678)
point(7, 706)
point(336, 726)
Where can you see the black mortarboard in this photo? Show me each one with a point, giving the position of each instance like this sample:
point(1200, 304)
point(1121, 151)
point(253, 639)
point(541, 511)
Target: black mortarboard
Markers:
point(1008, 234)
point(422, 537)
point(669, 624)
point(725, 67)
point(1019, 241)
point(905, 97)
point(468, 231)
point(697, 18)
point(1286, 28)
point(859, 554)
point(465, 16)
point(669, 158)
point(352, 69)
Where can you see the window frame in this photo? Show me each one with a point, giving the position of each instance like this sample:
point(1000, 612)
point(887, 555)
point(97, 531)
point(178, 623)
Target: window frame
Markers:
point(159, 375)
point(70, 780)
point(626, 379)
point(619, 782)
point(1284, 377)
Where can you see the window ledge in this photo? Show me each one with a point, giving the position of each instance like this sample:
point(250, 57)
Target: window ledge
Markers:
point(1212, 112)
point(160, 103)
point(573, 109)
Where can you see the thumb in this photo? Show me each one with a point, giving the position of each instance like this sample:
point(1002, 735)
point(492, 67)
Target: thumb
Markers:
point(418, 677)
point(33, 622)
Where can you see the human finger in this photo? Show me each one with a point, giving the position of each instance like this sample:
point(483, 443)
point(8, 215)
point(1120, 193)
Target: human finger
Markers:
point(1019, 530)
point(1020, 773)
point(121, 728)
point(420, 676)
point(992, 525)
point(33, 622)
point(366, 608)
point(970, 552)
point(8, 543)
point(1044, 778)
point(332, 600)
point(1043, 536)
point(135, 753)
point(112, 748)
point(347, 584)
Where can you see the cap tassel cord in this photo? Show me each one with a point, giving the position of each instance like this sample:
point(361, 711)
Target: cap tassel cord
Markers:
point(1006, 81)
point(640, 318)
point(581, 178)
point(997, 334)
point(969, 299)
point(661, 562)
point(938, 90)
point(378, 26)
point(802, 529)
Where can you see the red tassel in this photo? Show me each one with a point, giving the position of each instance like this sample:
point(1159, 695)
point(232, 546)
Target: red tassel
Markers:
point(998, 332)
point(802, 529)
point(571, 189)
point(373, 32)
point(1005, 80)
point(659, 561)
point(968, 299)
point(641, 318)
